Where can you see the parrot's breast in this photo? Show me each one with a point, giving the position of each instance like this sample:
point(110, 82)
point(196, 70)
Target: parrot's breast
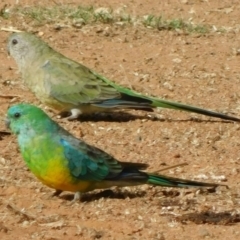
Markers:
point(55, 173)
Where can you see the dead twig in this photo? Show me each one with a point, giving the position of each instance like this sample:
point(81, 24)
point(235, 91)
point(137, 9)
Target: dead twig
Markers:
point(9, 96)
point(25, 215)
point(170, 167)
point(10, 29)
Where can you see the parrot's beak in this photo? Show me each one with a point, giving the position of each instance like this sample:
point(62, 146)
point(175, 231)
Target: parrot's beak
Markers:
point(7, 122)
point(8, 50)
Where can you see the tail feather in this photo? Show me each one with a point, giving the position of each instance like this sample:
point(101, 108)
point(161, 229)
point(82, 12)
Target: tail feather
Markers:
point(132, 176)
point(188, 108)
point(147, 104)
point(134, 165)
point(134, 100)
point(161, 180)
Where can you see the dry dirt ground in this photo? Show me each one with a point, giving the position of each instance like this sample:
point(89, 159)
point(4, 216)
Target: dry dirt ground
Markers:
point(201, 69)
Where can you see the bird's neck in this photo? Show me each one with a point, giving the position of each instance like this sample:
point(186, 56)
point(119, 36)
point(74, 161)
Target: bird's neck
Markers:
point(32, 58)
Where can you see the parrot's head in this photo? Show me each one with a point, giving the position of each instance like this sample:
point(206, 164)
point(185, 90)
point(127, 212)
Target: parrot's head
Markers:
point(17, 45)
point(23, 46)
point(26, 118)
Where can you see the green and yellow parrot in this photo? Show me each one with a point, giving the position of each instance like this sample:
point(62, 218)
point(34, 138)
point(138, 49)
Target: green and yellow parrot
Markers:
point(65, 163)
point(68, 86)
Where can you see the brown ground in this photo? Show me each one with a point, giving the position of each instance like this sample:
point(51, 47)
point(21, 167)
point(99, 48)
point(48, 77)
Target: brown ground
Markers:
point(201, 69)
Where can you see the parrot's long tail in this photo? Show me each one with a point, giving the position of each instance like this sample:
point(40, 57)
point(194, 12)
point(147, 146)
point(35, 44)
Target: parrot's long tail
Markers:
point(132, 176)
point(162, 180)
point(141, 102)
point(179, 106)
point(134, 100)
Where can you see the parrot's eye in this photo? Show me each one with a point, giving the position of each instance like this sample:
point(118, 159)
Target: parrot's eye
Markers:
point(17, 115)
point(14, 41)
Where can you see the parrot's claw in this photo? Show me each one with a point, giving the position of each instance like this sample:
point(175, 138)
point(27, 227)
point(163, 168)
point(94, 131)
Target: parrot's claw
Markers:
point(77, 197)
point(75, 113)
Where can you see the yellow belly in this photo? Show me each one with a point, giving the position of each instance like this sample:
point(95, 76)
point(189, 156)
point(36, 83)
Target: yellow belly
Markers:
point(58, 176)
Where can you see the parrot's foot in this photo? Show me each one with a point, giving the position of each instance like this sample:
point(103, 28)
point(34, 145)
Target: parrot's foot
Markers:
point(77, 197)
point(75, 113)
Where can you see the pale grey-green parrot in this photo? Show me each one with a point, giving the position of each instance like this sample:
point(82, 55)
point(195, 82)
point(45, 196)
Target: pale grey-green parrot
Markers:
point(68, 86)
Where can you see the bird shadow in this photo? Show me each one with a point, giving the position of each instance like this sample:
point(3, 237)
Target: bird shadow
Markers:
point(93, 196)
point(111, 117)
point(127, 117)
point(123, 194)
point(209, 217)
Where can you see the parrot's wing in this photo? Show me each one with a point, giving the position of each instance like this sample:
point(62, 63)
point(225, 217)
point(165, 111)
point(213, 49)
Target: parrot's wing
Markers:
point(71, 82)
point(87, 162)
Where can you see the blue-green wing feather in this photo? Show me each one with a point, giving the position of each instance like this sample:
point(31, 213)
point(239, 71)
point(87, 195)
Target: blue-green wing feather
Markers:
point(87, 162)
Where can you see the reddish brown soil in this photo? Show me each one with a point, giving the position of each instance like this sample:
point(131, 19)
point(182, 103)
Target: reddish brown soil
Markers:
point(200, 69)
